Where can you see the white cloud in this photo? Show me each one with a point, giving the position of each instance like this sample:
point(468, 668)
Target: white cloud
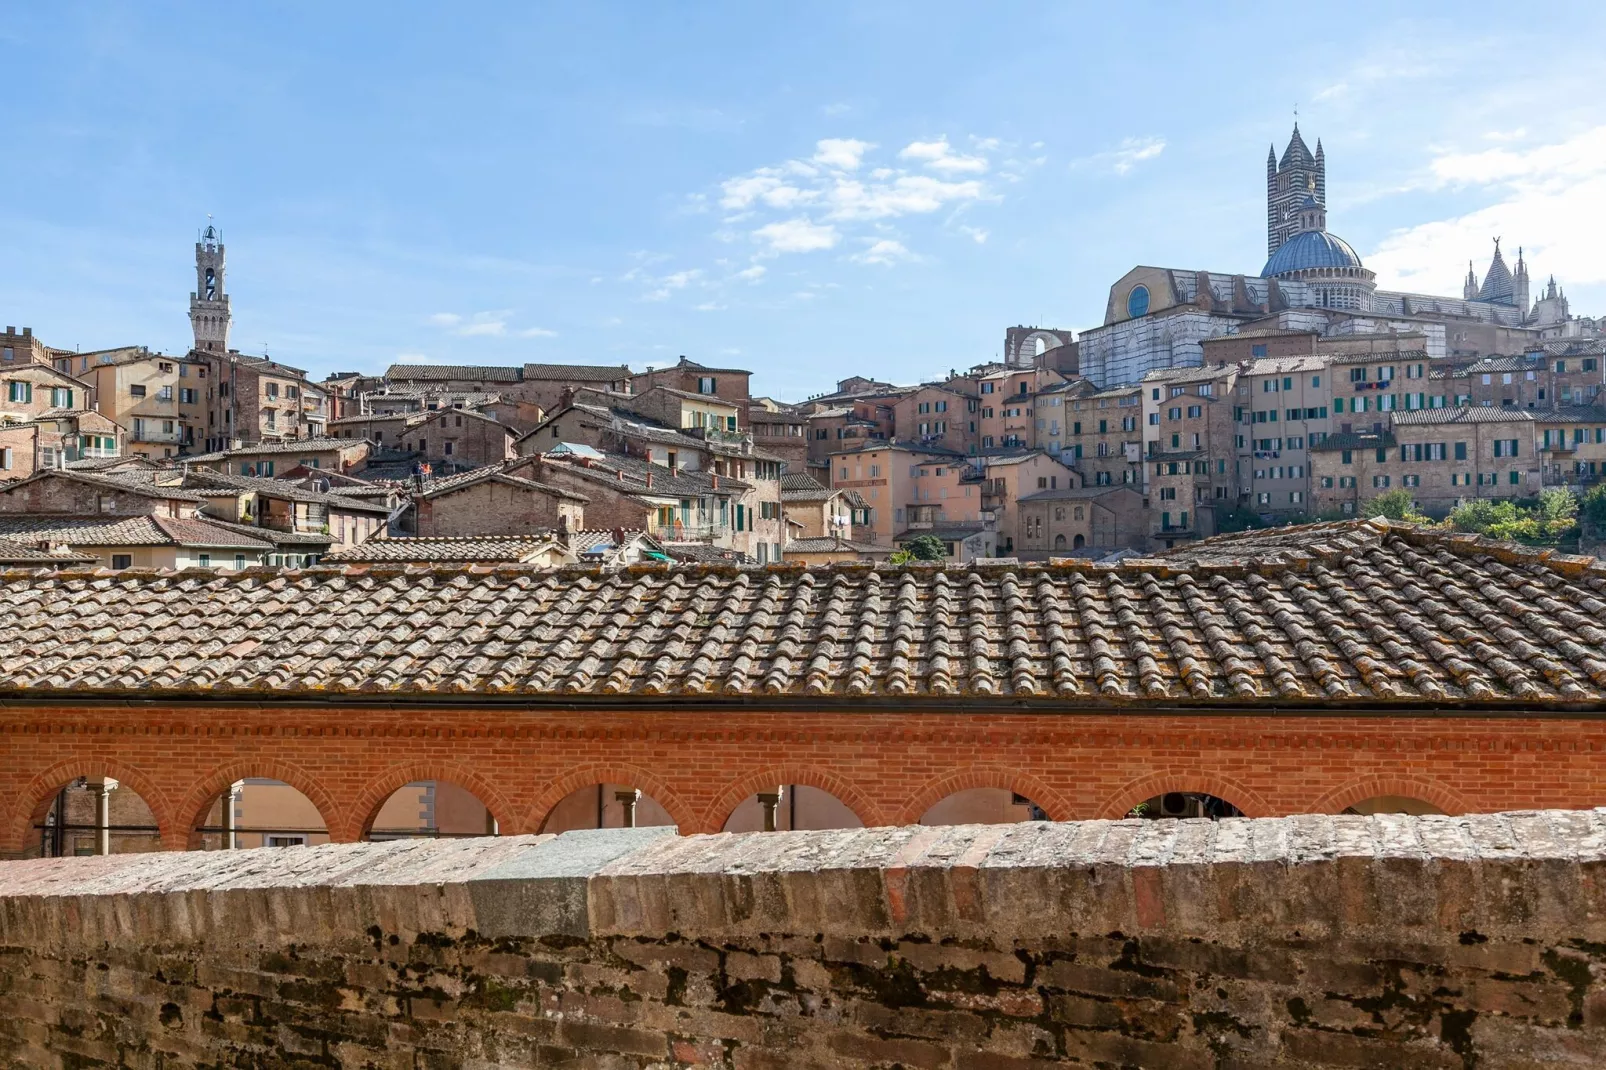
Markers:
point(446, 319)
point(751, 274)
point(977, 234)
point(483, 328)
point(1507, 135)
point(836, 109)
point(985, 144)
point(940, 156)
point(1134, 151)
point(797, 236)
point(885, 251)
point(537, 332)
point(1546, 199)
point(710, 306)
point(842, 153)
point(1125, 156)
point(905, 195)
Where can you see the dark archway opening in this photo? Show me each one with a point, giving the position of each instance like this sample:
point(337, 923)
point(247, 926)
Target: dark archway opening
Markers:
point(94, 816)
point(1184, 804)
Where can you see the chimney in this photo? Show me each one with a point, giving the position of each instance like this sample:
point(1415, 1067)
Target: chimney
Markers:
point(618, 536)
point(565, 537)
point(649, 479)
point(715, 478)
point(649, 454)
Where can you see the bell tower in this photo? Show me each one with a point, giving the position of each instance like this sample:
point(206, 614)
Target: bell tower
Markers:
point(1299, 175)
point(209, 304)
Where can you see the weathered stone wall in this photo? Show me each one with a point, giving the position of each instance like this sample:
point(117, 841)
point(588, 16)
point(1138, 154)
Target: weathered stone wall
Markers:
point(1309, 941)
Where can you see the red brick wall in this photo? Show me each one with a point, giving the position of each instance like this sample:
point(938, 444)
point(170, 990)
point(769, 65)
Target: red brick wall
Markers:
point(889, 767)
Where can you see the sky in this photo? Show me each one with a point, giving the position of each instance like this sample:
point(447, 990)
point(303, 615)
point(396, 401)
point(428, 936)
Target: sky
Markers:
point(810, 191)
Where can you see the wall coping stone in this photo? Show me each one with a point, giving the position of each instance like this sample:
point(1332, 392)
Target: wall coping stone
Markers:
point(1423, 879)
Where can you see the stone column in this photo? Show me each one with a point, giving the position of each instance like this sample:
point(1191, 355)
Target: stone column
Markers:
point(627, 806)
point(102, 790)
point(770, 802)
point(230, 822)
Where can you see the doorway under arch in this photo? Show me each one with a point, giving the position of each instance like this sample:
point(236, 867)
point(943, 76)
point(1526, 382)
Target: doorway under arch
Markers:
point(789, 807)
point(982, 806)
point(605, 806)
point(1184, 804)
point(261, 812)
point(431, 809)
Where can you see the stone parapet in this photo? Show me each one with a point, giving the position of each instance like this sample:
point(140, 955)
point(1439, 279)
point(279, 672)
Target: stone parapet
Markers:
point(1303, 941)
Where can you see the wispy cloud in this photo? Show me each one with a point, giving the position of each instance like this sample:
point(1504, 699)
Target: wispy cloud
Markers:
point(491, 324)
point(796, 236)
point(978, 235)
point(1125, 156)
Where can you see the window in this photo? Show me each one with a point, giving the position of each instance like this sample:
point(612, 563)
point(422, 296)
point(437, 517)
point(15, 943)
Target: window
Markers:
point(1327, 482)
point(122, 561)
point(1173, 414)
point(1296, 496)
point(1263, 498)
point(1505, 447)
point(136, 390)
point(1137, 302)
point(1315, 380)
point(17, 391)
point(1154, 419)
point(705, 384)
point(1411, 481)
point(206, 560)
point(1194, 411)
point(448, 449)
point(1516, 477)
point(8, 354)
point(1379, 482)
point(1357, 375)
point(61, 397)
point(1257, 351)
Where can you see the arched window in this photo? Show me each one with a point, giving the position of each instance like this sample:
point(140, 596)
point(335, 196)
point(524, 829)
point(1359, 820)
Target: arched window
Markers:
point(1078, 512)
point(1137, 301)
point(1059, 542)
point(1059, 512)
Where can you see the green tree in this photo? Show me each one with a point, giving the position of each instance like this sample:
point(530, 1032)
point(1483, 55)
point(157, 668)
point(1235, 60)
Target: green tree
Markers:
point(1237, 518)
point(1394, 505)
point(920, 548)
point(1592, 511)
point(1544, 521)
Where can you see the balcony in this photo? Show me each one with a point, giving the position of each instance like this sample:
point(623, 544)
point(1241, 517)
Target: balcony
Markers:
point(147, 434)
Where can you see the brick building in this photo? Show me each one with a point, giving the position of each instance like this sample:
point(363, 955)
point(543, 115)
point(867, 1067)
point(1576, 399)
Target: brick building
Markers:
point(1282, 405)
point(937, 416)
point(1100, 434)
point(1442, 456)
point(1092, 521)
point(781, 430)
point(273, 458)
point(730, 385)
point(1190, 433)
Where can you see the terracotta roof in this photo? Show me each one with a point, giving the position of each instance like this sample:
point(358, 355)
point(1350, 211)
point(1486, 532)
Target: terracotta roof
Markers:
point(830, 544)
point(135, 481)
point(289, 445)
point(500, 474)
point(476, 372)
point(585, 373)
point(1571, 414)
point(1358, 613)
point(1476, 414)
point(128, 531)
point(21, 554)
point(476, 549)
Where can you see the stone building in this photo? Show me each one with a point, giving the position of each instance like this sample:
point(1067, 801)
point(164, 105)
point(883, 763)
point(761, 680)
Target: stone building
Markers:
point(160, 401)
point(1282, 409)
point(1190, 431)
point(122, 524)
point(938, 416)
point(1443, 457)
point(1081, 521)
point(730, 385)
point(1098, 433)
point(504, 499)
point(274, 458)
point(780, 430)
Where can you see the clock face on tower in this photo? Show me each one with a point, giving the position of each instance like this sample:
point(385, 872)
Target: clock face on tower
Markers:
point(1137, 301)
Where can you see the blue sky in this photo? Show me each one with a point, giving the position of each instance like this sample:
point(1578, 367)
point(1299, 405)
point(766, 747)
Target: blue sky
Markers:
point(809, 190)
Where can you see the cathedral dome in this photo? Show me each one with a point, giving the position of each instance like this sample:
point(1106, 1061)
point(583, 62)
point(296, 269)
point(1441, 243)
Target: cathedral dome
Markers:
point(1310, 250)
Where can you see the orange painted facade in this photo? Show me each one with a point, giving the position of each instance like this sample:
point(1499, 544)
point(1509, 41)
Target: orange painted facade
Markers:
point(887, 765)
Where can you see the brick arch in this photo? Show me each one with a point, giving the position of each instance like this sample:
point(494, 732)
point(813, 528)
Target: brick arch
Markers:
point(211, 785)
point(584, 776)
point(378, 791)
point(1147, 787)
point(727, 801)
point(33, 802)
point(1429, 791)
point(984, 776)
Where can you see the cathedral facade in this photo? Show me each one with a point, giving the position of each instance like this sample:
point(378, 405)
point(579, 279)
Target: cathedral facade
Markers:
point(1312, 280)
